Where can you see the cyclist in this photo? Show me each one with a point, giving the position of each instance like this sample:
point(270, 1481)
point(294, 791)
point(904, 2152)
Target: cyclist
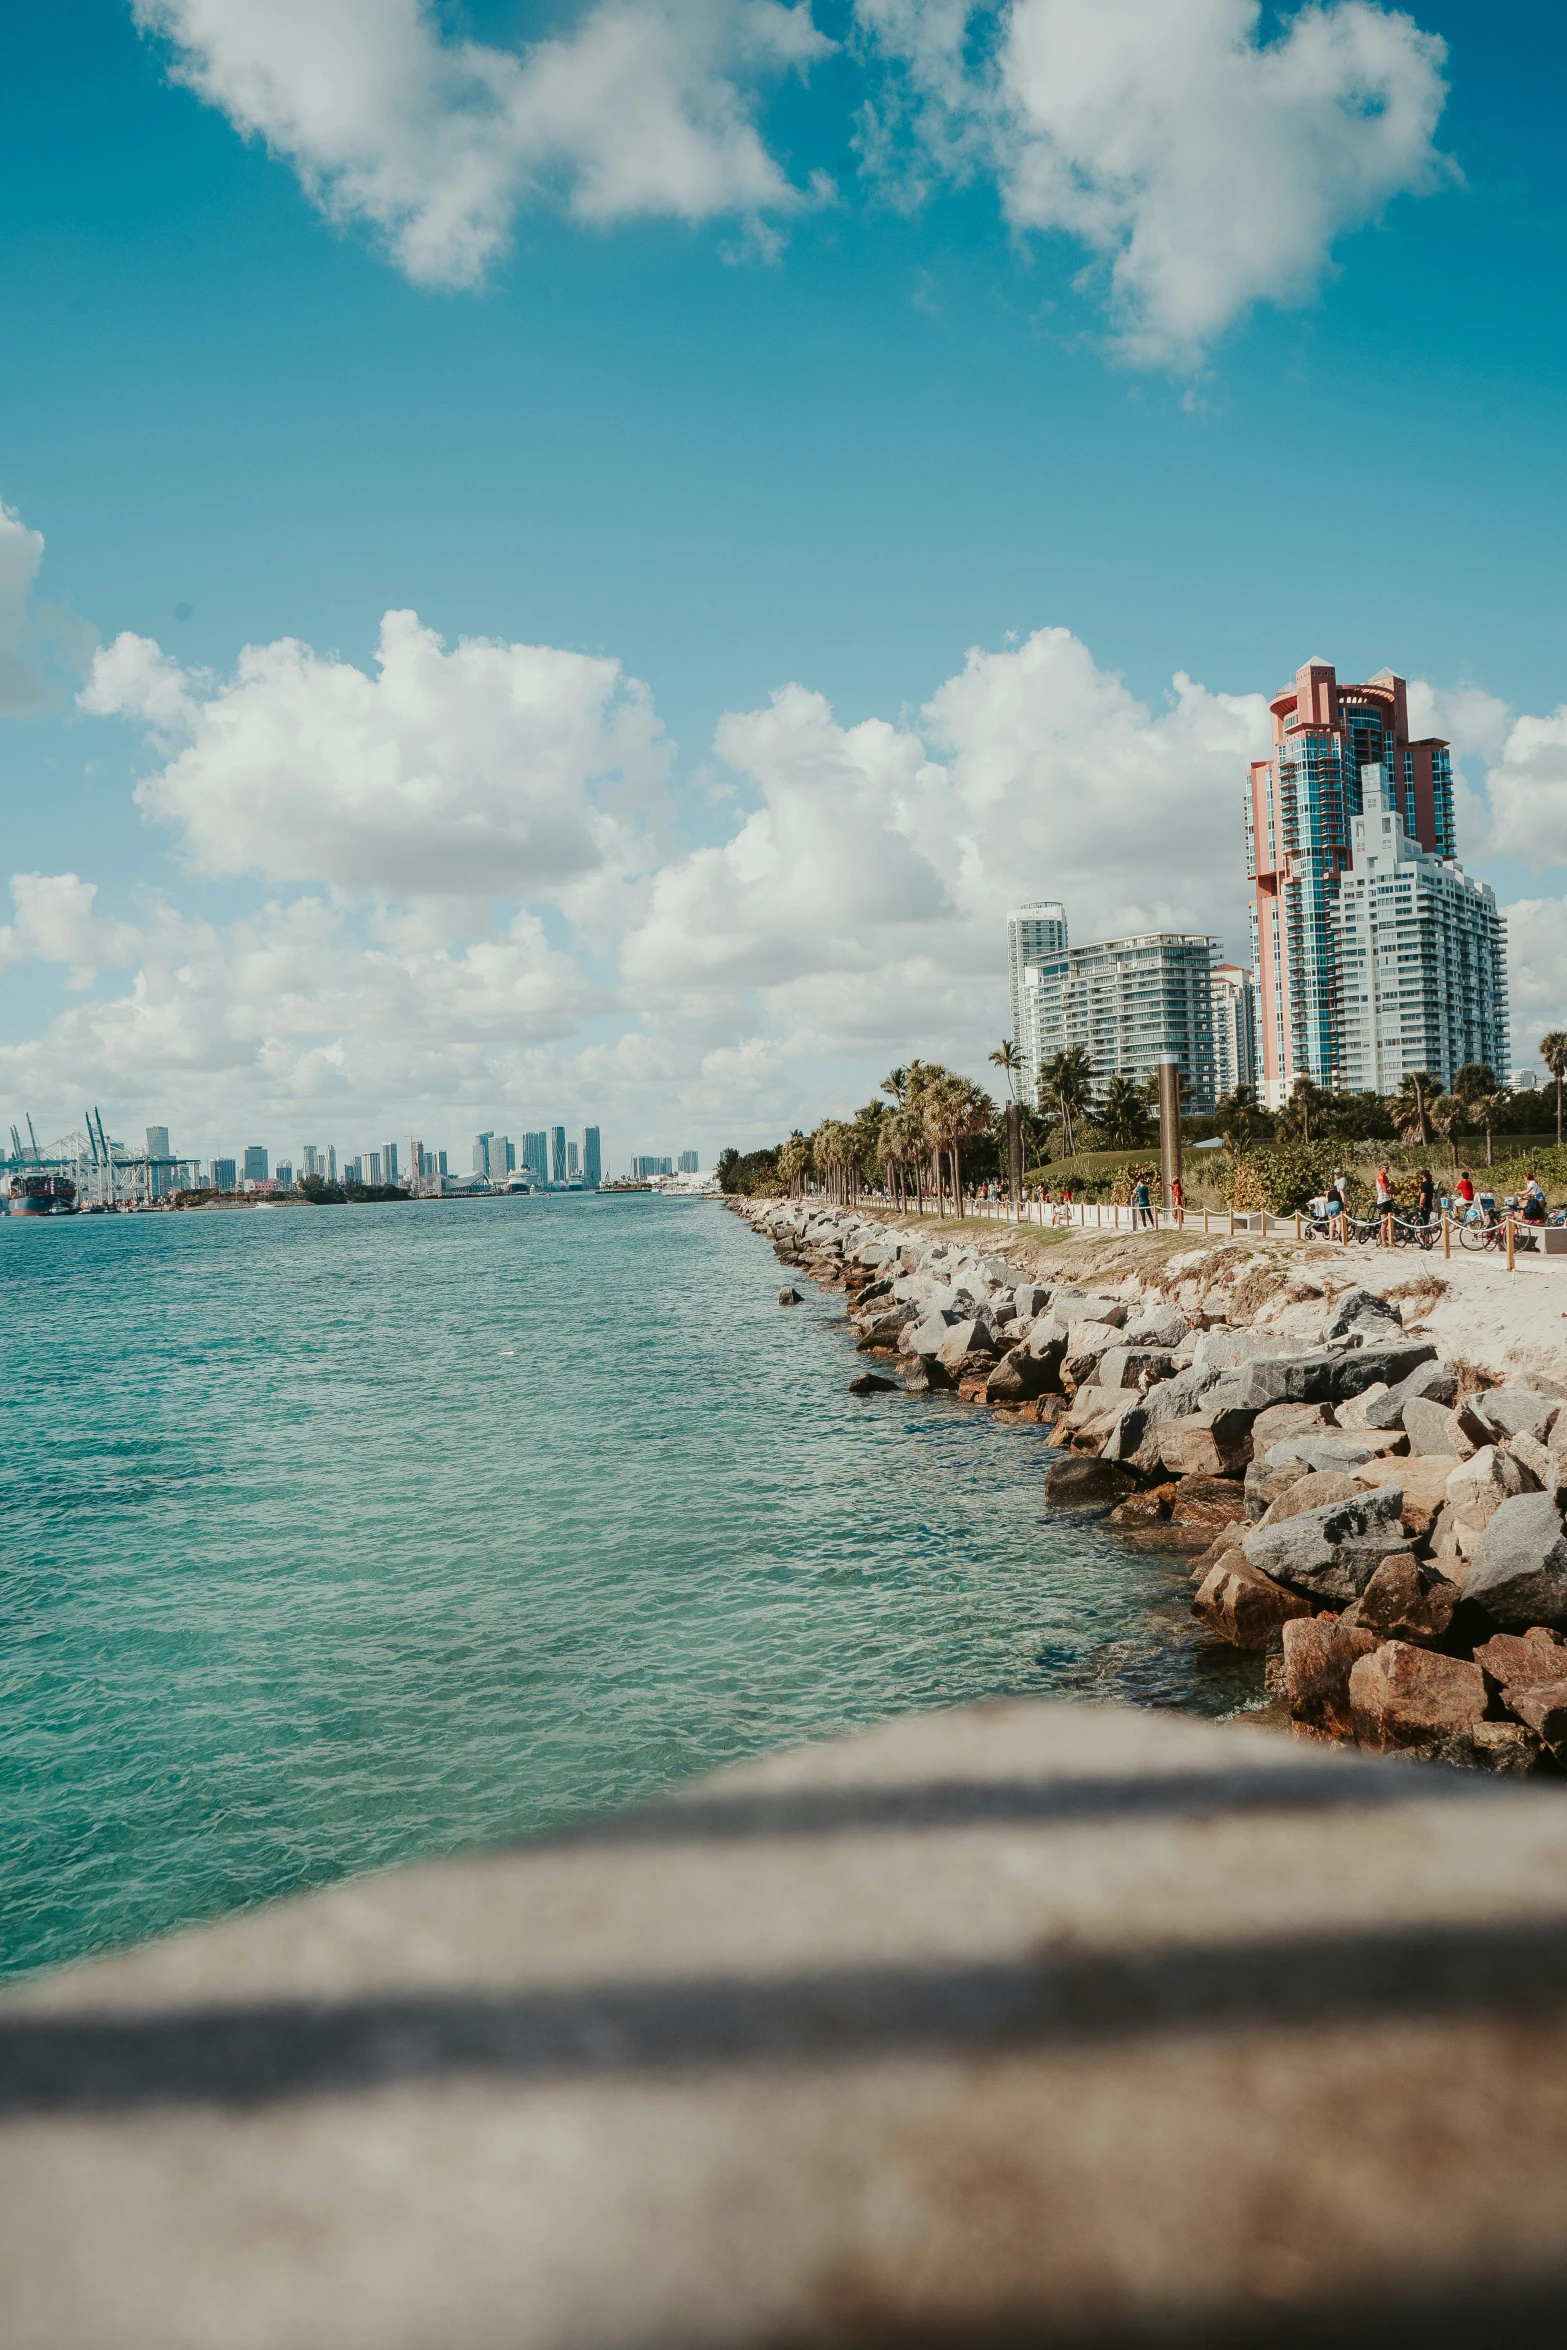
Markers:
point(1534, 1211)
point(1465, 1192)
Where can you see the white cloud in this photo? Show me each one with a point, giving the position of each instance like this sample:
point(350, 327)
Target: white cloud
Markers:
point(1536, 976)
point(458, 773)
point(1204, 168)
point(56, 922)
point(643, 106)
point(1527, 791)
point(21, 552)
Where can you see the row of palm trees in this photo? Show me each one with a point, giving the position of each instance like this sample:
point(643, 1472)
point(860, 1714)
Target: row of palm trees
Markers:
point(914, 1140)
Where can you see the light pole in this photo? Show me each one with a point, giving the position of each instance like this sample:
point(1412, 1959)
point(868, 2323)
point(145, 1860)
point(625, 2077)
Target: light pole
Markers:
point(1169, 1068)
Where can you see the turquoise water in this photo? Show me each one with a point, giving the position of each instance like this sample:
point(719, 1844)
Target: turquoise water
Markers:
point(337, 1536)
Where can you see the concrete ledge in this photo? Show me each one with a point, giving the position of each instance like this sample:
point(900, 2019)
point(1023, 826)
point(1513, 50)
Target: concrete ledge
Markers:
point(1016, 2023)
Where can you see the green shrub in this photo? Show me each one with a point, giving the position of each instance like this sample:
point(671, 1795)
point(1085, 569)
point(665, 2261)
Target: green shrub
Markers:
point(1286, 1176)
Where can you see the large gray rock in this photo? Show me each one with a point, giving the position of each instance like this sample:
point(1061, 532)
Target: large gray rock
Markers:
point(1433, 1428)
point(1319, 1378)
point(1331, 1450)
point(1331, 1553)
point(964, 1339)
point(1029, 1299)
point(1019, 1377)
point(1125, 1366)
point(1187, 1392)
point(1127, 1435)
point(1430, 1382)
point(927, 1337)
point(1156, 1324)
point(1519, 1411)
point(1224, 1350)
point(1360, 1314)
point(1264, 1485)
point(1519, 1570)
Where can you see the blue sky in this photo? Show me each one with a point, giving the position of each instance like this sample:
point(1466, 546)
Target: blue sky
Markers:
point(964, 392)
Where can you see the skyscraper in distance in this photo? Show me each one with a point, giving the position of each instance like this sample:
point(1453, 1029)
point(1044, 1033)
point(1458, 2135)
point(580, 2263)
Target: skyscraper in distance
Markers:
point(558, 1153)
point(158, 1143)
point(1034, 934)
point(592, 1158)
point(389, 1162)
point(1302, 804)
point(536, 1156)
point(255, 1162)
point(690, 1163)
point(1234, 1028)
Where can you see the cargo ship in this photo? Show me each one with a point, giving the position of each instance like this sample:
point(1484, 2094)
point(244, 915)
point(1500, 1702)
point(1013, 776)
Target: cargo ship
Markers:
point(40, 1195)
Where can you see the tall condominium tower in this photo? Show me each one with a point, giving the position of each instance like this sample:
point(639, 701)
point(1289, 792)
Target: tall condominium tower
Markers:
point(558, 1154)
point(1303, 801)
point(1034, 933)
point(1125, 1001)
point(592, 1158)
point(389, 1162)
point(1421, 956)
point(536, 1156)
point(1234, 1028)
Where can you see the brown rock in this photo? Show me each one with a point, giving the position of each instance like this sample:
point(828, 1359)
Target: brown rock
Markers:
point(1143, 1509)
point(1422, 1480)
point(1543, 1707)
point(1403, 1696)
point(1289, 1419)
point(1309, 1493)
point(1404, 1602)
point(1515, 1660)
point(1207, 1501)
point(1228, 1538)
point(872, 1383)
point(1242, 1604)
point(1206, 1444)
point(788, 1297)
point(1319, 1652)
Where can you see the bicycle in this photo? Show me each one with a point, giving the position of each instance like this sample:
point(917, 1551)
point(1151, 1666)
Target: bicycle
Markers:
point(1481, 1226)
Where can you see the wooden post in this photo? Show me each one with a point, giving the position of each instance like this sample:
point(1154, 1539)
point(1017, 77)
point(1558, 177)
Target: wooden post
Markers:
point(1232, 1223)
point(1297, 1223)
point(1205, 1223)
point(1511, 1267)
point(1447, 1235)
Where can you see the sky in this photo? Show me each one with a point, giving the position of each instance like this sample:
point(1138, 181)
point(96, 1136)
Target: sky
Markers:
point(566, 564)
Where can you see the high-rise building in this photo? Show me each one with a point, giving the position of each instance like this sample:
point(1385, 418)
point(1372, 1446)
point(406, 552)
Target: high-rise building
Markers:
point(416, 1158)
point(388, 1162)
point(558, 1153)
point(255, 1162)
point(1303, 800)
point(1234, 1028)
point(284, 1175)
point(223, 1175)
point(308, 1157)
point(690, 1163)
point(481, 1154)
point(158, 1143)
point(353, 1171)
point(573, 1164)
point(372, 1166)
point(592, 1158)
point(1420, 955)
point(1126, 1001)
point(536, 1156)
point(643, 1168)
point(331, 1162)
point(1034, 933)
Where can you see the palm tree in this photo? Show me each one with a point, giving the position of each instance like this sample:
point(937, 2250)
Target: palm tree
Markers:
point(794, 1162)
point(1069, 1078)
point(1307, 1102)
point(1553, 1052)
point(1122, 1117)
point(1484, 1109)
point(1238, 1117)
point(1009, 1061)
point(1449, 1114)
point(1409, 1106)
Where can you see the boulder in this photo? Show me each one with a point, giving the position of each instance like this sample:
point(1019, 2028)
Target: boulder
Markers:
point(1224, 1350)
point(1289, 1419)
point(1076, 1305)
point(1512, 1660)
point(1125, 1438)
point(1354, 1413)
point(1337, 1449)
point(1508, 1747)
point(1029, 1300)
point(1360, 1313)
point(1519, 1411)
point(1311, 1492)
point(1542, 1707)
point(1477, 1488)
point(1331, 1552)
point(1264, 1485)
point(1225, 1545)
point(1519, 1570)
point(1156, 1324)
point(1404, 1601)
point(1548, 1469)
point(1319, 1654)
point(1242, 1604)
point(1135, 1366)
point(1019, 1377)
point(1186, 1392)
point(1404, 1696)
point(1086, 1484)
point(871, 1383)
point(1207, 1501)
point(788, 1297)
point(964, 1339)
point(882, 1335)
point(1431, 1382)
point(925, 1337)
point(1150, 1508)
point(1422, 1482)
point(1206, 1444)
point(1432, 1428)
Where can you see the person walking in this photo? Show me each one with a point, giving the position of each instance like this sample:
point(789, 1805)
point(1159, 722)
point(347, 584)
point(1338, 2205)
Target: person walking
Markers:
point(1177, 1202)
point(1385, 1205)
point(1142, 1204)
point(1425, 1198)
point(1338, 1205)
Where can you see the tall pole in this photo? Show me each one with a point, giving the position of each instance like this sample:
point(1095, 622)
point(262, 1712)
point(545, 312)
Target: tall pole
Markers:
point(1015, 1153)
point(1169, 1068)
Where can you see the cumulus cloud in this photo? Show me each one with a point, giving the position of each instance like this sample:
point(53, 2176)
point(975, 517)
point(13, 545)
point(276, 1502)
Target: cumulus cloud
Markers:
point(21, 552)
point(1204, 168)
point(462, 773)
point(1527, 791)
point(641, 107)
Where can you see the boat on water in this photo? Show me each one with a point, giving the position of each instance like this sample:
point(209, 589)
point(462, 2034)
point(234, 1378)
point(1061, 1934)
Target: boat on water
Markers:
point(40, 1195)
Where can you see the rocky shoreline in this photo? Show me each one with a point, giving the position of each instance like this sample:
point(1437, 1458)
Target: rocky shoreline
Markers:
point(1385, 1526)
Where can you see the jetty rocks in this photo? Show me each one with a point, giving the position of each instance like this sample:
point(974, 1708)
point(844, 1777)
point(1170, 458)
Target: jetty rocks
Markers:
point(1388, 1529)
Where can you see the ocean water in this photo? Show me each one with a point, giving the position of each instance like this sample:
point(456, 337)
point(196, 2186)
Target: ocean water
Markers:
point(338, 1536)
